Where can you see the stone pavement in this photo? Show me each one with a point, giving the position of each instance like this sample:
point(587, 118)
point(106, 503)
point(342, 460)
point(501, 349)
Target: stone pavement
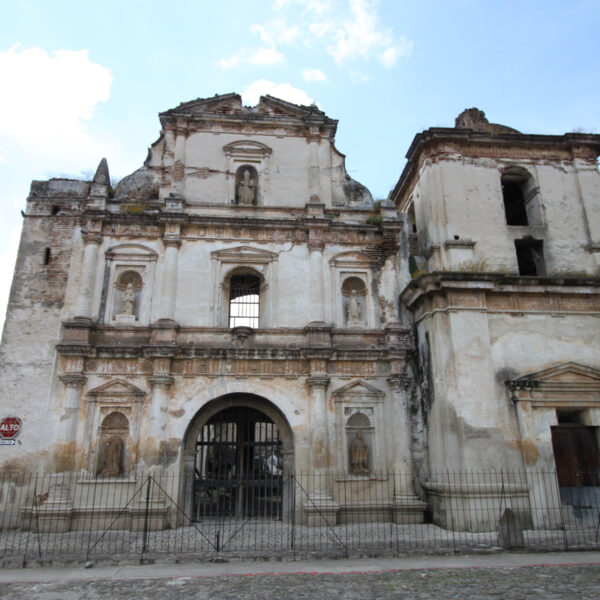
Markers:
point(507, 576)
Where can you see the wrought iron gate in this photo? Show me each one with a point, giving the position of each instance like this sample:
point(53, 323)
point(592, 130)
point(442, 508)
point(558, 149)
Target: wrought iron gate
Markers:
point(238, 467)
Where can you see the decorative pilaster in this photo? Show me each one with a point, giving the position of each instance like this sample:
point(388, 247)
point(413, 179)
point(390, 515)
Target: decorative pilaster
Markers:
point(70, 414)
point(316, 303)
point(172, 243)
point(160, 380)
point(319, 430)
point(320, 507)
point(407, 508)
point(92, 243)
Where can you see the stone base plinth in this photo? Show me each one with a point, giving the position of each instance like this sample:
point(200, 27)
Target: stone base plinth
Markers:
point(321, 511)
point(125, 319)
point(477, 507)
point(47, 519)
point(408, 510)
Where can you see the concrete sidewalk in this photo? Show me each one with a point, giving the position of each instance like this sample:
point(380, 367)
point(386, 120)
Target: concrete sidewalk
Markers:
point(370, 565)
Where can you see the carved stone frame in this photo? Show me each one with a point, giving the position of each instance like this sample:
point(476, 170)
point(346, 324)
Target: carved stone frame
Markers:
point(225, 263)
point(121, 396)
point(128, 257)
point(254, 154)
point(359, 396)
point(344, 266)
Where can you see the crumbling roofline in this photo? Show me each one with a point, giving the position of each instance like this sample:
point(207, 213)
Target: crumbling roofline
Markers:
point(438, 134)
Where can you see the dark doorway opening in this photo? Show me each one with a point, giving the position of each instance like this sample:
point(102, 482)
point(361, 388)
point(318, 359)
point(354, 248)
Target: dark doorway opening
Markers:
point(576, 454)
point(238, 466)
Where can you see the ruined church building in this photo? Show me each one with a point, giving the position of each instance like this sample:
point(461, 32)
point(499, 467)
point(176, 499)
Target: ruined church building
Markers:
point(240, 309)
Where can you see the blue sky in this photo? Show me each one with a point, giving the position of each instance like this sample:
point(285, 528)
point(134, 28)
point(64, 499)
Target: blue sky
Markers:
point(82, 80)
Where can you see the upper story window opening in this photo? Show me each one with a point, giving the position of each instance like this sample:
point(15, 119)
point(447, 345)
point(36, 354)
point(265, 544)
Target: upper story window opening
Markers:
point(530, 257)
point(519, 193)
point(244, 301)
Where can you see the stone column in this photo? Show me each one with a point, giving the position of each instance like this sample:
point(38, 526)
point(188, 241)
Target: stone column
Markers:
point(88, 276)
point(320, 507)
point(319, 436)
point(69, 418)
point(169, 282)
point(316, 312)
point(407, 508)
point(160, 380)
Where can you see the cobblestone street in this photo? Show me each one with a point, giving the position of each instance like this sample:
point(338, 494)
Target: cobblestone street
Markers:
point(492, 577)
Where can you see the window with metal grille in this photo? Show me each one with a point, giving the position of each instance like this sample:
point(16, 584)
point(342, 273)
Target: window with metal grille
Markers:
point(244, 301)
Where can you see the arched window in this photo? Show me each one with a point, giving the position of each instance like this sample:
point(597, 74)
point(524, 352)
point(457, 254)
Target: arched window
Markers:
point(244, 300)
point(519, 194)
point(246, 185)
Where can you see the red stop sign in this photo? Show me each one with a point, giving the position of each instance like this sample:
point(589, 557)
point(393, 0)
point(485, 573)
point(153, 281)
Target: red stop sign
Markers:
point(10, 427)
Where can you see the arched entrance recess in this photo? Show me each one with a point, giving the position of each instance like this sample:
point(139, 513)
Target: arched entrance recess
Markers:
point(238, 455)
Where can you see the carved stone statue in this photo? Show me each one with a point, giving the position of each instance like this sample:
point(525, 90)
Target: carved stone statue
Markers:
point(127, 300)
point(359, 455)
point(246, 189)
point(353, 308)
point(110, 457)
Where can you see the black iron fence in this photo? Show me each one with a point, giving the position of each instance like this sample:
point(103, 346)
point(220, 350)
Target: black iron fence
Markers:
point(76, 517)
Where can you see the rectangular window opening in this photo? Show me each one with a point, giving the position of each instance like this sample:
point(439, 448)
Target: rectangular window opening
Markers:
point(530, 257)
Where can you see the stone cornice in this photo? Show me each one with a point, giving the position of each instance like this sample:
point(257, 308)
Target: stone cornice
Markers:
point(494, 292)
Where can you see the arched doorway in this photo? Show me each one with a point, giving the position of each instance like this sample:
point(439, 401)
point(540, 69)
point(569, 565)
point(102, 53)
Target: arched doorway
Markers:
point(238, 456)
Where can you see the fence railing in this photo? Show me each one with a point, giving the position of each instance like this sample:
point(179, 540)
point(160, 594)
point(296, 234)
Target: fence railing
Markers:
point(77, 517)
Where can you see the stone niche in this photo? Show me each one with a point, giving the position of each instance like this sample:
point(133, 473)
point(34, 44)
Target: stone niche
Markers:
point(359, 413)
point(113, 418)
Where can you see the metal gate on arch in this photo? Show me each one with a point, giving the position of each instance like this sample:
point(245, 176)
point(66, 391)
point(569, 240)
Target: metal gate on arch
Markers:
point(238, 467)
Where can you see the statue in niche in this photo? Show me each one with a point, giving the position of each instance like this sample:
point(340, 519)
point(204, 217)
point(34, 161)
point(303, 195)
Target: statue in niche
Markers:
point(353, 308)
point(359, 455)
point(110, 457)
point(127, 300)
point(246, 188)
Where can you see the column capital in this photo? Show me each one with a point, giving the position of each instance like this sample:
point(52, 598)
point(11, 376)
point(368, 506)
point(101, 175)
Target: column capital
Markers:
point(72, 380)
point(399, 383)
point(161, 380)
point(91, 238)
point(318, 380)
point(171, 242)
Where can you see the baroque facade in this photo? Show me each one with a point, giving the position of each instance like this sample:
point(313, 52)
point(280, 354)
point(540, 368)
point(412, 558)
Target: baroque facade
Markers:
point(240, 305)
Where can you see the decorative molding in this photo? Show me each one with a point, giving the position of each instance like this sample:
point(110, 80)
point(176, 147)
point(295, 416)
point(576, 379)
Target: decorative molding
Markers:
point(563, 385)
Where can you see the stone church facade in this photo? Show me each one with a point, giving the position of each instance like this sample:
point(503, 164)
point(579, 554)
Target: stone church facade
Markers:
point(240, 304)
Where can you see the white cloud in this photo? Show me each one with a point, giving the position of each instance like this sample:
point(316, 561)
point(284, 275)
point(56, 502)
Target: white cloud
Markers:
point(251, 93)
point(347, 30)
point(313, 75)
point(261, 57)
point(350, 29)
point(48, 99)
point(229, 63)
point(361, 37)
point(276, 31)
point(266, 56)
